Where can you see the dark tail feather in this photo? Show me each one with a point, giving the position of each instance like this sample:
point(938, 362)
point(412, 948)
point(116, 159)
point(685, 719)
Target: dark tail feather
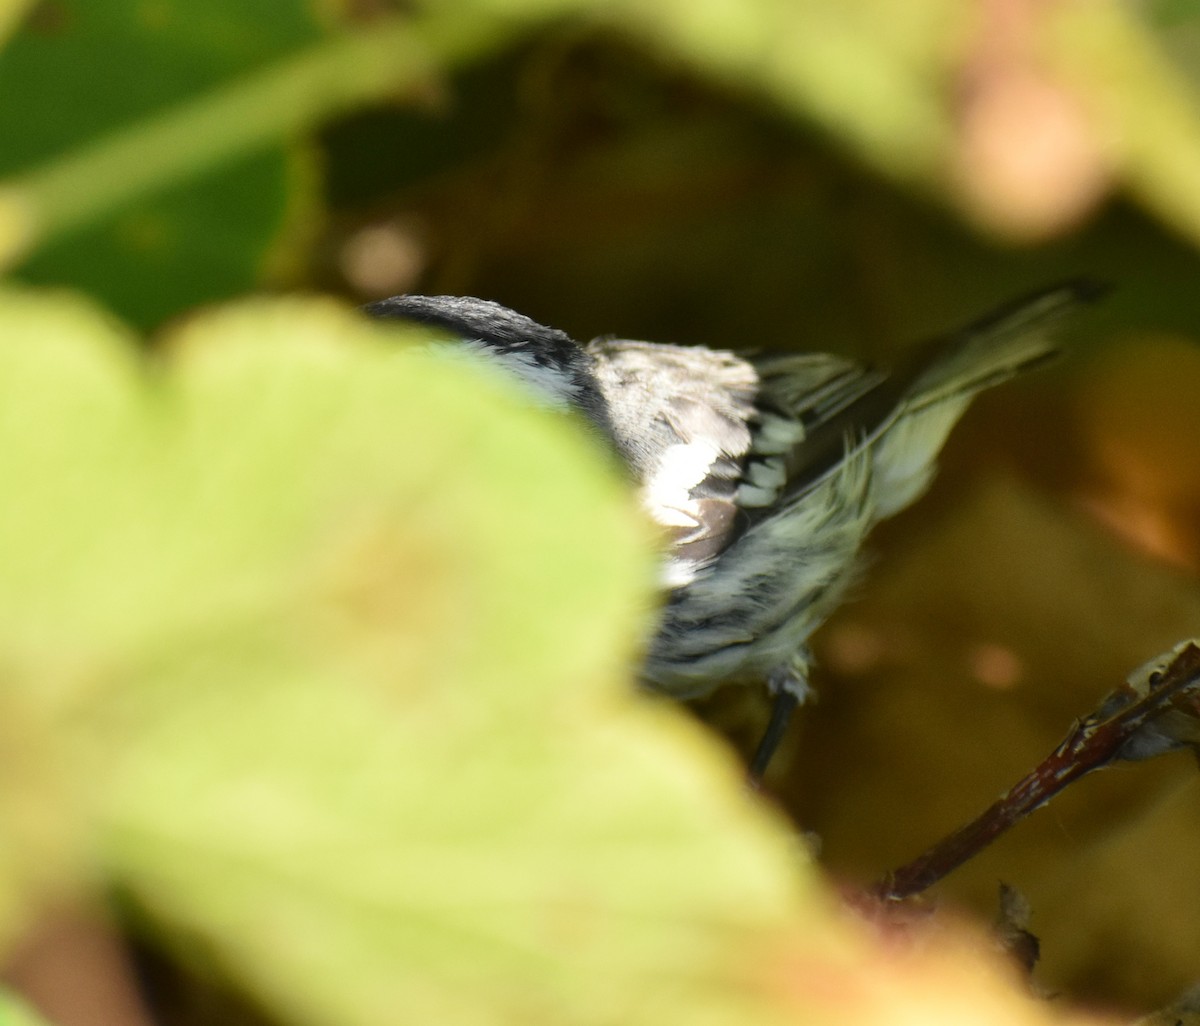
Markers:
point(1002, 343)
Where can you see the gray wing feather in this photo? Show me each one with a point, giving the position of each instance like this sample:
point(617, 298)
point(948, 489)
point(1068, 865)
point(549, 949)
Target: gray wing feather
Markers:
point(722, 441)
point(906, 415)
point(692, 425)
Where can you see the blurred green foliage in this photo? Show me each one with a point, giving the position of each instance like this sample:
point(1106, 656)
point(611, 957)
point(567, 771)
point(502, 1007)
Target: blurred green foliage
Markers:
point(297, 686)
point(81, 71)
point(318, 649)
point(17, 1013)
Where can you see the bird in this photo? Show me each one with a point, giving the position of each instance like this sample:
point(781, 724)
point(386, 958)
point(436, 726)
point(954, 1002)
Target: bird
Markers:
point(765, 472)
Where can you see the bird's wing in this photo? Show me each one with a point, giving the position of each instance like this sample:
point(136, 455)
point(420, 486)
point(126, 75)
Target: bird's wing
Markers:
point(720, 441)
point(922, 398)
point(692, 424)
point(814, 408)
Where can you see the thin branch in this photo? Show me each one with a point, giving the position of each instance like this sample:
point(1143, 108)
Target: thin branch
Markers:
point(1128, 724)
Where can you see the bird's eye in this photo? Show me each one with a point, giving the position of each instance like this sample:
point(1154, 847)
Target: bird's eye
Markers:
point(1155, 678)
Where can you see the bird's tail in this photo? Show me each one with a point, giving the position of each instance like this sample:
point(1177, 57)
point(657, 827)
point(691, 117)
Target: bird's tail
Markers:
point(946, 376)
point(992, 349)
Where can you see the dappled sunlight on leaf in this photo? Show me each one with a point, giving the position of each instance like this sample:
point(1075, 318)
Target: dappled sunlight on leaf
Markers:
point(14, 1012)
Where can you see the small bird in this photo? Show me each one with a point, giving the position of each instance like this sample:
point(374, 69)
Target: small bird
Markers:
point(765, 471)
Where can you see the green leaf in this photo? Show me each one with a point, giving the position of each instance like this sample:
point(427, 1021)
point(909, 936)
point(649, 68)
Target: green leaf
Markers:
point(1172, 12)
point(871, 71)
point(66, 416)
point(177, 248)
point(11, 12)
point(14, 1012)
point(425, 792)
point(331, 639)
point(1147, 107)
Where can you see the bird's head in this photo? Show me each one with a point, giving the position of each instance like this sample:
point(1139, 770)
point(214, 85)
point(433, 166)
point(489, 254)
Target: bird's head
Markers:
point(554, 367)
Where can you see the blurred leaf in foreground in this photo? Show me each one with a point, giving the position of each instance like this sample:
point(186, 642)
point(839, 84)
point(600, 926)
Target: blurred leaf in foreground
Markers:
point(170, 250)
point(1023, 114)
point(420, 788)
point(17, 1013)
point(317, 644)
point(11, 12)
point(332, 697)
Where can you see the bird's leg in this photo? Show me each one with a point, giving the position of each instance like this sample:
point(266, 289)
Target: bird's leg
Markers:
point(789, 685)
point(781, 715)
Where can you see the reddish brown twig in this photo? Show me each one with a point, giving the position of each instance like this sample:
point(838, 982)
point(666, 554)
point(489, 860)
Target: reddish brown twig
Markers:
point(1112, 732)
